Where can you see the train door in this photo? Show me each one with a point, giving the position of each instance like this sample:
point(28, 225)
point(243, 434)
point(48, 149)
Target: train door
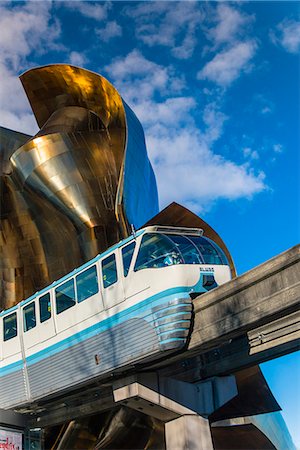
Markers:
point(112, 284)
point(29, 325)
point(135, 283)
point(132, 282)
point(38, 324)
point(11, 346)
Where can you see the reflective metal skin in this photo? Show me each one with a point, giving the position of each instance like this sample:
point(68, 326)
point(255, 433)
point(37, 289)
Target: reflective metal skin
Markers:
point(64, 196)
point(121, 428)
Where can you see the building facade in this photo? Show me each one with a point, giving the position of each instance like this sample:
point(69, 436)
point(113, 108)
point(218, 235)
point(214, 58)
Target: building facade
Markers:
point(74, 188)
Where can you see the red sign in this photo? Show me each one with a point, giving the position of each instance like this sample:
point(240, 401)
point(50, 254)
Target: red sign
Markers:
point(10, 440)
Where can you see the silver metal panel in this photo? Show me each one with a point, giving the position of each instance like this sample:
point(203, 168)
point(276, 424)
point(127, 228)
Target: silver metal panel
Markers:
point(172, 321)
point(12, 390)
point(119, 346)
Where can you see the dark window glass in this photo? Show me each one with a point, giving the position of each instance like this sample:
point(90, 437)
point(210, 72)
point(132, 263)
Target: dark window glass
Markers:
point(45, 307)
point(10, 329)
point(208, 252)
point(109, 270)
point(188, 250)
point(29, 317)
point(127, 253)
point(87, 284)
point(220, 251)
point(157, 251)
point(65, 296)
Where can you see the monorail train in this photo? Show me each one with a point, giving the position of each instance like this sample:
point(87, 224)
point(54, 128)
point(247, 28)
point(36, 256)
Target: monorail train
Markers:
point(126, 306)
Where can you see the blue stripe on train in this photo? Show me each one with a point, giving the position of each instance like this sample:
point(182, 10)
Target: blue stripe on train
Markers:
point(105, 324)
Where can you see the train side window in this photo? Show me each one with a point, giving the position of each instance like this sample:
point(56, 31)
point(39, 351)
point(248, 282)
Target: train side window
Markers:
point(87, 284)
point(127, 253)
point(109, 270)
point(45, 307)
point(65, 296)
point(10, 328)
point(29, 316)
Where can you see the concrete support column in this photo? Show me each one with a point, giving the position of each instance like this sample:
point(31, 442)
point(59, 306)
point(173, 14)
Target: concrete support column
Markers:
point(188, 432)
point(183, 407)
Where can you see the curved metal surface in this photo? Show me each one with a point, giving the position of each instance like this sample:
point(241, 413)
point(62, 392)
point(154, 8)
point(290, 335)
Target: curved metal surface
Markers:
point(64, 191)
point(52, 87)
point(121, 428)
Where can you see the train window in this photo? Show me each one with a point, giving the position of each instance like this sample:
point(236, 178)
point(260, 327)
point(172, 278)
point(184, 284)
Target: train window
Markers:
point(220, 252)
point(156, 251)
point(29, 317)
point(10, 328)
point(208, 252)
point(127, 253)
point(109, 270)
point(65, 296)
point(45, 307)
point(87, 284)
point(188, 250)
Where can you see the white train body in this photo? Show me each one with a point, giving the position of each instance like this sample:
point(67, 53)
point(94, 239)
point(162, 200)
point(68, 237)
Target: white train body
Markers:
point(128, 305)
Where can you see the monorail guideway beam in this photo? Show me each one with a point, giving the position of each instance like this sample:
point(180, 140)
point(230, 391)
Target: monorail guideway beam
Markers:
point(246, 321)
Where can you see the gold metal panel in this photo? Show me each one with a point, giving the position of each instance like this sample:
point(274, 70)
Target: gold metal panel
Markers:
point(60, 202)
point(52, 87)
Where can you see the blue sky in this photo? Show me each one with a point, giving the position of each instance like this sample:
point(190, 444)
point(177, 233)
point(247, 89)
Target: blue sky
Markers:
point(216, 87)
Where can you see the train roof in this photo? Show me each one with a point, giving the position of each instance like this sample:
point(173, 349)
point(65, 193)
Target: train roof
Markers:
point(149, 229)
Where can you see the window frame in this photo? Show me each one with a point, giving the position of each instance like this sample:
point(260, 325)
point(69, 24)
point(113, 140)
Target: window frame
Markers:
point(134, 243)
point(115, 256)
point(39, 307)
point(3, 323)
point(55, 299)
point(97, 280)
point(25, 307)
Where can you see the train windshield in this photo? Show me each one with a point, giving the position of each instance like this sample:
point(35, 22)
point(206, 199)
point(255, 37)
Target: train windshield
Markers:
point(161, 250)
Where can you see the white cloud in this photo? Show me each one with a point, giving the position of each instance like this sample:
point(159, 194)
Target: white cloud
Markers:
point(111, 30)
point(187, 169)
point(214, 120)
point(249, 153)
point(227, 65)
point(91, 10)
point(266, 110)
point(168, 24)
point(278, 148)
point(26, 28)
point(287, 35)
point(15, 111)
point(78, 59)
point(171, 112)
point(230, 23)
point(139, 78)
point(24, 122)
